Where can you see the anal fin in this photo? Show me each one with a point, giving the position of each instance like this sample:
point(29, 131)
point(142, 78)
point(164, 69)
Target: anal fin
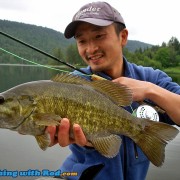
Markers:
point(108, 146)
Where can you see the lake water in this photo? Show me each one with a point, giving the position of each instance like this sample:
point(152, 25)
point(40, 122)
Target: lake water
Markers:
point(21, 152)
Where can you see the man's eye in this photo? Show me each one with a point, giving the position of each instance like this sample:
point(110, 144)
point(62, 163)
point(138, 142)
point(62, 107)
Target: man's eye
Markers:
point(81, 42)
point(100, 36)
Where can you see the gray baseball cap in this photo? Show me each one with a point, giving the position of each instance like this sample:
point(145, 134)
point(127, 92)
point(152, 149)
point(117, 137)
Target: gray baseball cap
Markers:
point(97, 13)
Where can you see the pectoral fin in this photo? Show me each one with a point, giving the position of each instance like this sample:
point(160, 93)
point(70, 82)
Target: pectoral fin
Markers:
point(108, 146)
point(43, 141)
point(46, 119)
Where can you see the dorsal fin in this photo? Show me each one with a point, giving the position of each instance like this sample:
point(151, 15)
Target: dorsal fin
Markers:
point(119, 94)
point(70, 78)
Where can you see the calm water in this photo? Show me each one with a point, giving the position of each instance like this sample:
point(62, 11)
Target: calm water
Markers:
point(21, 152)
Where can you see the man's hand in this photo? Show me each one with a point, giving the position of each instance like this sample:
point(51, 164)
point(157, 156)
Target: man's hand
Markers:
point(139, 88)
point(61, 135)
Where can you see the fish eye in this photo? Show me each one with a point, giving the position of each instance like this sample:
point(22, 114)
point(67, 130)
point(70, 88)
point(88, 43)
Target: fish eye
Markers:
point(2, 99)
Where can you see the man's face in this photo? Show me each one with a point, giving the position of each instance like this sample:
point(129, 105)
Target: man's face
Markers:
point(99, 47)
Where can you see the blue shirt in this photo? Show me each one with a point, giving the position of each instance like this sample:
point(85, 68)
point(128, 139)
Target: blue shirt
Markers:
point(126, 165)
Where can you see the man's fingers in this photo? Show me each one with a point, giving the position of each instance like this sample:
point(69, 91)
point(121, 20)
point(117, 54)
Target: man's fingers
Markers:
point(63, 133)
point(52, 131)
point(79, 136)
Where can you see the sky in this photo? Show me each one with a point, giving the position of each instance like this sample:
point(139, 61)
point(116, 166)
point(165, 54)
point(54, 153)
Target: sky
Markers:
point(149, 21)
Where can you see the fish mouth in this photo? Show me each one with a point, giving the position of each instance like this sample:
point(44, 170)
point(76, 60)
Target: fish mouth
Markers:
point(24, 119)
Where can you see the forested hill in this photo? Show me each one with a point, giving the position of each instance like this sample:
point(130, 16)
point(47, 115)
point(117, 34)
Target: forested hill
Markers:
point(133, 45)
point(41, 37)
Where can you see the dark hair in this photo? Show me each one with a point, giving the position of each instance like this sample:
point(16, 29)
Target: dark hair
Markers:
point(119, 27)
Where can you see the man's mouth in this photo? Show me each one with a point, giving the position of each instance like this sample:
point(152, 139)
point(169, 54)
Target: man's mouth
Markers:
point(94, 58)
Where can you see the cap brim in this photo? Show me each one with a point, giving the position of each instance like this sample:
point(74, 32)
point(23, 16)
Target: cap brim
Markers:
point(71, 28)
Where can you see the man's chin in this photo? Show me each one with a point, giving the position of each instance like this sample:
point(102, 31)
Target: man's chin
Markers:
point(97, 68)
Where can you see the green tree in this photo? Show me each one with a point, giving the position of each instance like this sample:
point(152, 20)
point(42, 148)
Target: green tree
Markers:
point(163, 44)
point(72, 55)
point(163, 56)
point(174, 50)
point(57, 52)
point(174, 44)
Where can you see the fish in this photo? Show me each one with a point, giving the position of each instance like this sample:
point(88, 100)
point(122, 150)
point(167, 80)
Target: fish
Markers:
point(97, 106)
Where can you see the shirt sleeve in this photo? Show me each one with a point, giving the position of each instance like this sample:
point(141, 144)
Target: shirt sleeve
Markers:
point(161, 79)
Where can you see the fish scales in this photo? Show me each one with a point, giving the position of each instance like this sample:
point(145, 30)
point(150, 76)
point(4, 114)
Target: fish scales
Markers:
point(72, 105)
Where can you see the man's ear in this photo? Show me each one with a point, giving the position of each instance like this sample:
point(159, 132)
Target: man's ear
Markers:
point(124, 37)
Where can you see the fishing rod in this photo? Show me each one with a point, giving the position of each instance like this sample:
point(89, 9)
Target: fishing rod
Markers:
point(43, 52)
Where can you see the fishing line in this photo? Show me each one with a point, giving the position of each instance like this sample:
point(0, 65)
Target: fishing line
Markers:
point(131, 109)
point(93, 76)
point(42, 52)
point(32, 62)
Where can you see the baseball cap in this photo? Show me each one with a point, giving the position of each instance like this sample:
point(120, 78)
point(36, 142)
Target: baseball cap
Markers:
point(97, 13)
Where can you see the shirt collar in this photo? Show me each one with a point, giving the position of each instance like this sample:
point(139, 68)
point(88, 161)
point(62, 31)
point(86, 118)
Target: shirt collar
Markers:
point(127, 72)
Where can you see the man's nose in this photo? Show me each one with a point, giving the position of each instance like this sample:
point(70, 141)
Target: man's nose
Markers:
point(91, 47)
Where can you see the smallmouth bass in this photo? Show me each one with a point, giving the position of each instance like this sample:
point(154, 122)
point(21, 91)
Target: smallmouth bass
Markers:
point(95, 105)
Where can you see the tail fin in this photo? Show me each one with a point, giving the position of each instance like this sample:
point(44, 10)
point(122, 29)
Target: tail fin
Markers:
point(153, 139)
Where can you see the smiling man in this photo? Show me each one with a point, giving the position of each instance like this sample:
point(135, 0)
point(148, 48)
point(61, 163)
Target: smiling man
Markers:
point(101, 34)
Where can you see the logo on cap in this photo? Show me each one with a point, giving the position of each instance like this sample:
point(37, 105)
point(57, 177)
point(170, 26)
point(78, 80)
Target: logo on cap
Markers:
point(87, 11)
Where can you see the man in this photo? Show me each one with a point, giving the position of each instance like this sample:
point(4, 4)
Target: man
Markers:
point(101, 34)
